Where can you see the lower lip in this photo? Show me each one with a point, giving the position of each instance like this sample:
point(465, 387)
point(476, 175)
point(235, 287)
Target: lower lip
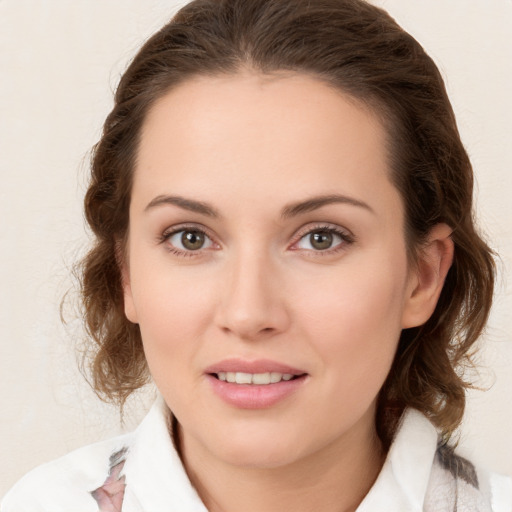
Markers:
point(255, 396)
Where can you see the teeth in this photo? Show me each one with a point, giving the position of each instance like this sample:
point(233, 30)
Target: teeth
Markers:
point(243, 378)
point(254, 378)
point(261, 378)
point(275, 377)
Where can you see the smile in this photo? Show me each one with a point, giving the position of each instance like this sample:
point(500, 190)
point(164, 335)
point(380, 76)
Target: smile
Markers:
point(259, 379)
point(256, 384)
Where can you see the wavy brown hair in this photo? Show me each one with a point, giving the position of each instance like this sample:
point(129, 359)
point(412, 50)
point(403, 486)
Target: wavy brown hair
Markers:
point(360, 50)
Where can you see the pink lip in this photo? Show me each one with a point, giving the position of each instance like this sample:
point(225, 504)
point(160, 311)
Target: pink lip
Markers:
point(257, 366)
point(253, 396)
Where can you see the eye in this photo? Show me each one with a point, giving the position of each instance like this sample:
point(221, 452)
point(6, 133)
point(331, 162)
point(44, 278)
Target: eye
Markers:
point(187, 240)
point(318, 240)
point(324, 239)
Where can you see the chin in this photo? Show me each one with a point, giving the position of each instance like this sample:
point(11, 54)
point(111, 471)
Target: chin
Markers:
point(261, 447)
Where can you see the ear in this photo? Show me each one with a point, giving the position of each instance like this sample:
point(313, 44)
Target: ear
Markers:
point(427, 278)
point(122, 262)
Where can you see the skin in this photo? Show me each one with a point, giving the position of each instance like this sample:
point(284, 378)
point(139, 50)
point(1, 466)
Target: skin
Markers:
point(249, 146)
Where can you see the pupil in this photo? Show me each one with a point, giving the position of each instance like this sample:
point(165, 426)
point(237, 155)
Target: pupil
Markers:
point(321, 240)
point(192, 240)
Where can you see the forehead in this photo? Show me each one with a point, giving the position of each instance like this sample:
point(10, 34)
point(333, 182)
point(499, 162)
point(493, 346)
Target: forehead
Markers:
point(255, 106)
point(281, 136)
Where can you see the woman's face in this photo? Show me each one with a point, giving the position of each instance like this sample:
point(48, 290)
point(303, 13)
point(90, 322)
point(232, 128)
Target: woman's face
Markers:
point(266, 245)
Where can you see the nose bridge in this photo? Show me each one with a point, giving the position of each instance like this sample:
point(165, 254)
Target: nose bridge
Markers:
point(251, 304)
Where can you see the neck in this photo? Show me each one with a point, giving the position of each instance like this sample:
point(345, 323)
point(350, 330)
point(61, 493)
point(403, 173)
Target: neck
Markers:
point(334, 479)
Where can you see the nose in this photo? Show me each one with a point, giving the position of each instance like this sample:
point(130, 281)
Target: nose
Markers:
point(252, 304)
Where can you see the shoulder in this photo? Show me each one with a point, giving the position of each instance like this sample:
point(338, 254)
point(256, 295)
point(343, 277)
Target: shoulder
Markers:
point(67, 483)
point(423, 473)
point(457, 482)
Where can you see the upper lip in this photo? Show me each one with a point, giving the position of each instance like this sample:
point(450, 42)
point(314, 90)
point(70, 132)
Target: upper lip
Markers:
point(256, 366)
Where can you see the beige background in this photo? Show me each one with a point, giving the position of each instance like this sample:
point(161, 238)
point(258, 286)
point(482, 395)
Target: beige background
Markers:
point(59, 62)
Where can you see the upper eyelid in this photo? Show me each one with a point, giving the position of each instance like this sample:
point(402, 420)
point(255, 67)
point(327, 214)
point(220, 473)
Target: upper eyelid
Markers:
point(187, 226)
point(304, 230)
point(327, 226)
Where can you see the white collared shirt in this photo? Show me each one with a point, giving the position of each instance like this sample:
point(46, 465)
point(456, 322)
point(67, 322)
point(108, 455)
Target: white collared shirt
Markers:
point(413, 478)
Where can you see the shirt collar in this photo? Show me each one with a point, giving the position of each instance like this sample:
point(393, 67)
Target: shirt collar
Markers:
point(155, 476)
point(402, 483)
point(156, 479)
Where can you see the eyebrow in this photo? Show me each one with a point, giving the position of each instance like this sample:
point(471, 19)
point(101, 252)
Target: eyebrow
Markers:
point(187, 204)
point(291, 210)
point(317, 202)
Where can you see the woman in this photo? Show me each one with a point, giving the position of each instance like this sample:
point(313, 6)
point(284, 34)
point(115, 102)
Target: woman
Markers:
point(284, 244)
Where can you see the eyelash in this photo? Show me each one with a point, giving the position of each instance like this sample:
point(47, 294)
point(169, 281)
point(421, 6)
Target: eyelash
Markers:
point(166, 235)
point(346, 237)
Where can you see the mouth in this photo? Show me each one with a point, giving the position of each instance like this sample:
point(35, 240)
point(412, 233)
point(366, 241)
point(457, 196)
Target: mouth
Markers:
point(256, 384)
point(257, 379)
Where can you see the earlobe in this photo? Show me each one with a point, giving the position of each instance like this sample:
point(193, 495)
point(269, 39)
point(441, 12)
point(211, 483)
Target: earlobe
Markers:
point(427, 278)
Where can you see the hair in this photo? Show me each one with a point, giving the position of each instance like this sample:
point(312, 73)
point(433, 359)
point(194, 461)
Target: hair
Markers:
point(361, 51)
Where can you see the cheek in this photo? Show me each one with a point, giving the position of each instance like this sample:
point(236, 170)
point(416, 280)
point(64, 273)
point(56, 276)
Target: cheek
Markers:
point(173, 308)
point(354, 320)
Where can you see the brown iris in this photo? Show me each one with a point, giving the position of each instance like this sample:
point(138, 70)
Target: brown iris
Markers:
point(321, 240)
point(192, 240)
